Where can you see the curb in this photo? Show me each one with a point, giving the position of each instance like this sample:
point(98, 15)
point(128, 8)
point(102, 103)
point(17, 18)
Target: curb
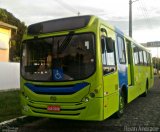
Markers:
point(12, 120)
point(8, 90)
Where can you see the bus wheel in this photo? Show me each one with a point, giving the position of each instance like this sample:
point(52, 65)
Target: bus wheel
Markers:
point(120, 112)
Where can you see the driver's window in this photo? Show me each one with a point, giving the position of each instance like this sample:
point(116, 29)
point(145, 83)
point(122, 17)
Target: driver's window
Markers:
point(108, 56)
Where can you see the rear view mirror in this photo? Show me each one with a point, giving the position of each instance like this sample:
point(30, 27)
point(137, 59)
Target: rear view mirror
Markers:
point(110, 45)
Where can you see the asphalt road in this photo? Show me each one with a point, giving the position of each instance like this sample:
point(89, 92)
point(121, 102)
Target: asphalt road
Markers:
point(143, 114)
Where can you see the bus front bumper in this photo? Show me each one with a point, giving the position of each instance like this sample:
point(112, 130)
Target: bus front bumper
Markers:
point(91, 110)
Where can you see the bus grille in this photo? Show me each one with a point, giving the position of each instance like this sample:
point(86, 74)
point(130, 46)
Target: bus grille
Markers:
point(70, 110)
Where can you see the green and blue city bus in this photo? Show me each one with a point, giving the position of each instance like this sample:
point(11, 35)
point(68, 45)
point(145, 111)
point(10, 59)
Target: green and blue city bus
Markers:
point(81, 68)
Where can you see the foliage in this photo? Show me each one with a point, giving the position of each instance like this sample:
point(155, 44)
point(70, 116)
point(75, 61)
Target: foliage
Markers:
point(9, 18)
point(156, 62)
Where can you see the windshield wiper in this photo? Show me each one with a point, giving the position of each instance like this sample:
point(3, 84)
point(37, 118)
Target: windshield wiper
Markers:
point(65, 42)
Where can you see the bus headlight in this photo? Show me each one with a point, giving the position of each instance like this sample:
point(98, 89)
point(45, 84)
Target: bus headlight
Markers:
point(23, 93)
point(92, 95)
point(86, 99)
point(25, 108)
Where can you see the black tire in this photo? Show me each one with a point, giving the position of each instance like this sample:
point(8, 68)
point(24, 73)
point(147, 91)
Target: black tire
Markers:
point(120, 112)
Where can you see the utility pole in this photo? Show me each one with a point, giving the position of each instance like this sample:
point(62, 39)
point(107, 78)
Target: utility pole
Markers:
point(130, 16)
point(157, 61)
point(78, 13)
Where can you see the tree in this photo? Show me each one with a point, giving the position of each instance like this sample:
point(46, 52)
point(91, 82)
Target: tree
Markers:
point(156, 63)
point(16, 39)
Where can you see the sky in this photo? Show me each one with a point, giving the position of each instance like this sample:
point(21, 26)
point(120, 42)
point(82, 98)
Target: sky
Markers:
point(146, 14)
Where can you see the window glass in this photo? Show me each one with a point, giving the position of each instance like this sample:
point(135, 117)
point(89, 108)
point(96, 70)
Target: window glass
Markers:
point(129, 51)
point(59, 58)
point(145, 57)
point(104, 61)
point(136, 56)
point(148, 59)
point(121, 50)
point(141, 56)
point(108, 58)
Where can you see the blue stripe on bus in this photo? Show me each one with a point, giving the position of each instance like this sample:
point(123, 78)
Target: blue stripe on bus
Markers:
point(52, 89)
point(123, 75)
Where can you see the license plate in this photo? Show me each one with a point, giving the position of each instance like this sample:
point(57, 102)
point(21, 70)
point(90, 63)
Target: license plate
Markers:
point(54, 108)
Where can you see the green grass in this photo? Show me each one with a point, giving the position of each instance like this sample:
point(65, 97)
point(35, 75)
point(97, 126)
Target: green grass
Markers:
point(9, 105)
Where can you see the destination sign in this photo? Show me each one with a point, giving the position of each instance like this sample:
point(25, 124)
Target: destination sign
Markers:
point(152, 44)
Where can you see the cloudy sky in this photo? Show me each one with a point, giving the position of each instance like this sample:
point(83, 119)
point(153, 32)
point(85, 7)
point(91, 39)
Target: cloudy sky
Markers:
point(146, 13)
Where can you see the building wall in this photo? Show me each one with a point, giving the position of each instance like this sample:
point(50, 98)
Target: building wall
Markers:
point(5, 34)
point(9, 75)
point(4, 55)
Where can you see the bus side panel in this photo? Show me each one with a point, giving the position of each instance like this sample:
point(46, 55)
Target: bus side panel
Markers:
point(144, 75)
point(132, 90)
point(111, 97)
point(142, 79)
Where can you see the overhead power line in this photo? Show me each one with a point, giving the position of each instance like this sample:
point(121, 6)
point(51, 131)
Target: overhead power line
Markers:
point(68, 7)
point(145, 13)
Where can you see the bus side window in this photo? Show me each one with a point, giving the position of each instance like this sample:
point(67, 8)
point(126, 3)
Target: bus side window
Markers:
point(145, 57)
point(141, 56)
point(108, 55)
point(136, 55)
point(121, 50)
point(148, 59)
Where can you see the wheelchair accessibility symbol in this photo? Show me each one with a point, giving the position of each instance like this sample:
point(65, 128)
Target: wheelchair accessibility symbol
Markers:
point(57, 74)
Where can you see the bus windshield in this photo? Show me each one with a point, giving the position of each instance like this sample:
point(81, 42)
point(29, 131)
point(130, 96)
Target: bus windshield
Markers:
point(59, 58)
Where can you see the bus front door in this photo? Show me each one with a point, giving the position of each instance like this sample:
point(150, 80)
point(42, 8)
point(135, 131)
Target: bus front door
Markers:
point(110, 73)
